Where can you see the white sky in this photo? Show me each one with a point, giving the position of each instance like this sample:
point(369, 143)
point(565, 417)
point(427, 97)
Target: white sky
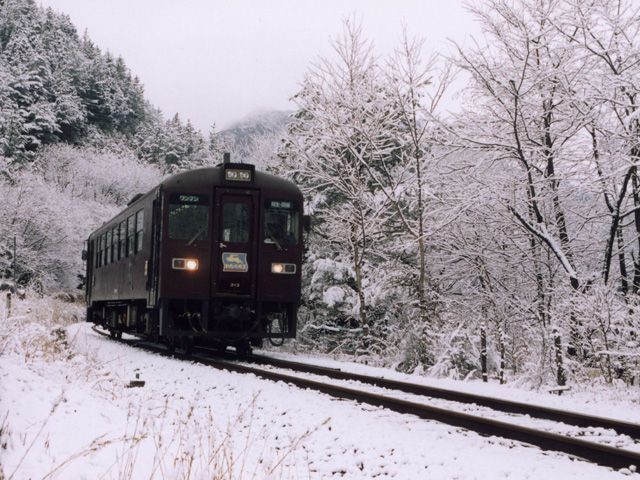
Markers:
point(218, 61)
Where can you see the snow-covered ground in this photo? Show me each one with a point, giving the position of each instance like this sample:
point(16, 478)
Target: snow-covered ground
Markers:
point(597, 435)
point(66, 413)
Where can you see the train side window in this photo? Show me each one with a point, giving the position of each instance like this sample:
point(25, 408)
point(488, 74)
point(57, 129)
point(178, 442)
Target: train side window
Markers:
point(131, 235)
point(108, 248)
point(101, 250)
point(123, 239)
point(98, 252)
point(114, 244)
point(235, 222)
point(101, 245)
point(281, 223)
point(188, 217)
point(139, 230)
point(105, 260)
point(96, 261)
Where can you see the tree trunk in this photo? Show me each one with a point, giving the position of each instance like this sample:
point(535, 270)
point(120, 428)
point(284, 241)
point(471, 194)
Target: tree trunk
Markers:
point(422, 296)
point(616, 228)
point(357, 267)
point(636, 217)
point(622, 263)
point(573, 348)
point(502, 354)
point(560, 374)
point(483, 351)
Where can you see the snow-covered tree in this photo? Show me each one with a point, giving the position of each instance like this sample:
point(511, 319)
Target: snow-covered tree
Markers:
point(343, 131)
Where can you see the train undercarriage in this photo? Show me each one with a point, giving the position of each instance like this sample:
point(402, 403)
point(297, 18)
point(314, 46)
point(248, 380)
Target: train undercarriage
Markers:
point(181, 324)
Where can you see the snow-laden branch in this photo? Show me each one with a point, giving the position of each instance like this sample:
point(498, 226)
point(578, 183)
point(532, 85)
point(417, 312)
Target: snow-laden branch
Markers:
point(541, 232)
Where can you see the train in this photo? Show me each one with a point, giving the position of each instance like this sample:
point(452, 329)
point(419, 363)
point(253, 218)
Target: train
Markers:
point(209, 256)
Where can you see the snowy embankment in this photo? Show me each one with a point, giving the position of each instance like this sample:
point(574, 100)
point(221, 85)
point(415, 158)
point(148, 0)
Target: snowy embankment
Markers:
point(66, 413)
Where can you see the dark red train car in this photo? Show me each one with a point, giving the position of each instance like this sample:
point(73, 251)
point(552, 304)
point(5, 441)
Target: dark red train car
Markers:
point(210, 255)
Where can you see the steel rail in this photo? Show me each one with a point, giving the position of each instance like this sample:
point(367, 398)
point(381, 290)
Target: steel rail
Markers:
point(603, 455)
point(495, 403)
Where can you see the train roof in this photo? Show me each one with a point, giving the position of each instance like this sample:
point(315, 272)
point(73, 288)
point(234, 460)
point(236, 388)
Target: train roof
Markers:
point(214, 176)
point(205, 178)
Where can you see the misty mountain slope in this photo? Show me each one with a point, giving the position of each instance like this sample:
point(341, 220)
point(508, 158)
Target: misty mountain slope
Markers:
point(253, 138)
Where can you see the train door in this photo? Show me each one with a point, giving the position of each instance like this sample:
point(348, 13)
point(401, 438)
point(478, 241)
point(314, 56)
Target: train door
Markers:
point(153, 263)
point(235, 242)
point(89, 280)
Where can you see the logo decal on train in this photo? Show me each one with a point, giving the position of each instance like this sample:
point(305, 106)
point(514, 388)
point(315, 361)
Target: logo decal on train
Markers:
point(234, 262)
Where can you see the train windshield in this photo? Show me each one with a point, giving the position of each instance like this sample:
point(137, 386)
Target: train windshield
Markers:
point(188, 217)
point(235, 222)
point(281, 222)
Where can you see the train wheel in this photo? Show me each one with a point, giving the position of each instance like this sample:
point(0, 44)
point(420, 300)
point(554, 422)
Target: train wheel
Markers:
point(243, 349)
point(187, 346)
point(170, 343)
point(278, 321)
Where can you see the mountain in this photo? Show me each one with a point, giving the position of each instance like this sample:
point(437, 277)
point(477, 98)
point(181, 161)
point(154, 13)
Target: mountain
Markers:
point(57, 87)
point(262, 123)
point(245, 137)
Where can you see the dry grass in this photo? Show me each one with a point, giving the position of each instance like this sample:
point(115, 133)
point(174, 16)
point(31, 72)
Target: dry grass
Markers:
point(35, 330)
point(173, 440)
point(186, 446)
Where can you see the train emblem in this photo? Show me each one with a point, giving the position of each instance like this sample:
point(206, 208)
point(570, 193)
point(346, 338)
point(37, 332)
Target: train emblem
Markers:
point(234, 262)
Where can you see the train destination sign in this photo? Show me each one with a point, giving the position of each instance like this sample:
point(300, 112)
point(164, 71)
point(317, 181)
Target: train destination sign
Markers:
point(189, 198)
point(281, 204)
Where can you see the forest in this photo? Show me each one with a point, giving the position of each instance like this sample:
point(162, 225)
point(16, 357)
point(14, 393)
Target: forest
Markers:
point(497, 240)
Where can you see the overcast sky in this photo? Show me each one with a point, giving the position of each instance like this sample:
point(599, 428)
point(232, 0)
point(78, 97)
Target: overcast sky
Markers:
point(219, 61)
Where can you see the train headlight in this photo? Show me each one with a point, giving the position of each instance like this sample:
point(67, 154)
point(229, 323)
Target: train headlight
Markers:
point(237, 175)
point(286, 268)
point(190, 264)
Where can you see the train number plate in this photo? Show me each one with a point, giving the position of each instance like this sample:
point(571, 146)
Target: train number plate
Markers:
point(234, 262)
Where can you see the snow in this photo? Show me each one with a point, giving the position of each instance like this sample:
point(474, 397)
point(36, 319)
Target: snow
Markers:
point(333, 295)
point(69, 414)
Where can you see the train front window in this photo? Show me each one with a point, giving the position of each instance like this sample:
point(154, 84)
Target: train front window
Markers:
point(188, 217)
point(235, 222)
point(281, 223)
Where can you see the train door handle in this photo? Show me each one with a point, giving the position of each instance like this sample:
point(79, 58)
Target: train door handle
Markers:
point(223, 245)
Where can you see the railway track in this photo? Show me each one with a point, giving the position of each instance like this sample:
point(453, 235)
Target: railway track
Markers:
point(494, 403)
point(604, 455)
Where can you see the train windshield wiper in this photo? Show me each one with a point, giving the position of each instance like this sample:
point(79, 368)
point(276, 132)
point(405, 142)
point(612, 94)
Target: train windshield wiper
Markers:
point(196, 236)
point(276, 242)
